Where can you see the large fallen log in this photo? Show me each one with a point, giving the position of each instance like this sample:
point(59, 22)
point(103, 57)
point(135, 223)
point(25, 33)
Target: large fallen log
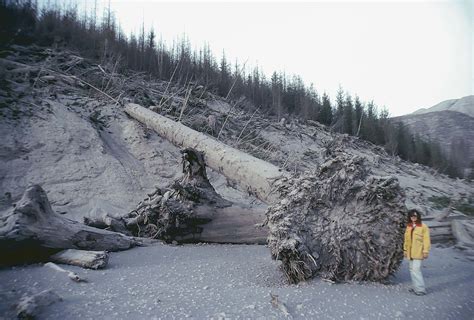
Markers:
point(341, 223)
point(253, 174)
point(32, 231)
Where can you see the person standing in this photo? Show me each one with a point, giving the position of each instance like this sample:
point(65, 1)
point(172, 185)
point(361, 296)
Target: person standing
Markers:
point(416, 248)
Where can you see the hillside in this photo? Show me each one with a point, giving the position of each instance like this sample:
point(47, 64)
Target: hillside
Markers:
point(89, 156)
point(451, 125)
point(464, 105)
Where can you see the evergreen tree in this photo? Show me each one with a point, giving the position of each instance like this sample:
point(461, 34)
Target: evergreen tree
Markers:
point(276, 95)
point(224, 77)
point(325, 116)
point(348, 115)
point(337, 120)
point(358, 115)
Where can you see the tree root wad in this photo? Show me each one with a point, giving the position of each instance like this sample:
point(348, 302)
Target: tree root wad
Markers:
point(342, 223)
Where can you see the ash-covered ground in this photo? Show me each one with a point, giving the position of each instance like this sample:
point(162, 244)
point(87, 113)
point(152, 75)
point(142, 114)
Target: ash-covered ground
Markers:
point(235, 282)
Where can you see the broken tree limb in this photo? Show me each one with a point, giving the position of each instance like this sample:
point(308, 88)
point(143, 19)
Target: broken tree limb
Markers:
point(108, 222)
point(82, 258)
point(253, 174)
point(32, 231)
point(71, 275)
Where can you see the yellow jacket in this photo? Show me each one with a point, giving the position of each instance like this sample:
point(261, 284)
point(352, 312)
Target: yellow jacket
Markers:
point(418, 243)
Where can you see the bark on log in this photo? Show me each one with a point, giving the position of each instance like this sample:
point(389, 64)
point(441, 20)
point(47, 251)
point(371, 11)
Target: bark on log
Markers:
point(253, 174)
point(32, 231)
point(342, 223)
point(82, 258)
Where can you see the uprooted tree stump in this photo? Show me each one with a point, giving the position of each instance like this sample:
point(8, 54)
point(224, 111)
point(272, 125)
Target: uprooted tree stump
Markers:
point(32, 231)
point(342, 223)
point(190, 210)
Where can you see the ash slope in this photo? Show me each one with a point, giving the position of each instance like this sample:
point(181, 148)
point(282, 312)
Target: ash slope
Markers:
point(65, 129)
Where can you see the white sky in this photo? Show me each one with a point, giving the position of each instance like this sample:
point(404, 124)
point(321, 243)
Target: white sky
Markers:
point(402, 54)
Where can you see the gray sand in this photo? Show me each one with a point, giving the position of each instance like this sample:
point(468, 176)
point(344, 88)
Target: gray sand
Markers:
point(235, 282)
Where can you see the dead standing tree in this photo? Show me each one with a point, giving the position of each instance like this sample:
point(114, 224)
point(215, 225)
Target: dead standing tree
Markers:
point(342, 223)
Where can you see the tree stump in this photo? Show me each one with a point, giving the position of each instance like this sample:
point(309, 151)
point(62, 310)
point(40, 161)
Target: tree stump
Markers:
point(190, 210)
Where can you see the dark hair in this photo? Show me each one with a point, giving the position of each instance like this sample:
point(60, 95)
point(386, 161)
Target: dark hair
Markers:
point(411, 213)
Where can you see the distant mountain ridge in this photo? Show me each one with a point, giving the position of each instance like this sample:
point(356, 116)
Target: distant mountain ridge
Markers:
point(464, 105)
point(449, 123)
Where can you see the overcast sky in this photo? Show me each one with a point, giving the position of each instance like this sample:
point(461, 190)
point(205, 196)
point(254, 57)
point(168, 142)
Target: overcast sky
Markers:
point(404, 55)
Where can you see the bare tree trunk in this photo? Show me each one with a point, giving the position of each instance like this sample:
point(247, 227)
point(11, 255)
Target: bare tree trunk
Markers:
point(32, 231)
point(253, 174)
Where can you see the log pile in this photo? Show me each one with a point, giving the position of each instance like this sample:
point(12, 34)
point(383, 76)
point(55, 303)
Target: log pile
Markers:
point(342, 223)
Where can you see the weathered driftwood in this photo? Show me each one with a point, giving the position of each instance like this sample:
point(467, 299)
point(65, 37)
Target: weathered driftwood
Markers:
point(107, 222)
point(32, 231)
point(342, 223)
point(71, 275)
point(446, 212)
point(29, 306)
point(464, 239)
point(190, 210)
point(82, 258)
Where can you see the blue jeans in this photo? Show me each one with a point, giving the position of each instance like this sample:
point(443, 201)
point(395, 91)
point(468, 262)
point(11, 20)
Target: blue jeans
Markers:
point(416, 276)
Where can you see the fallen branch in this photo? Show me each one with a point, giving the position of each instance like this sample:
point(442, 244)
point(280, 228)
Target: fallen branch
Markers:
point(73, 276)
point(82, 258)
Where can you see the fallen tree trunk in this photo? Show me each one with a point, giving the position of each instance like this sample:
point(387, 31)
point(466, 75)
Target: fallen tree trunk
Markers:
point(253, 174)
point(341, 223)
point(32, 231)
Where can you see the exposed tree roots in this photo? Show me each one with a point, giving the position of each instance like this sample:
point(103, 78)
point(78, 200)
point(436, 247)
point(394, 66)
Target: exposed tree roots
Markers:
point(342, 223)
